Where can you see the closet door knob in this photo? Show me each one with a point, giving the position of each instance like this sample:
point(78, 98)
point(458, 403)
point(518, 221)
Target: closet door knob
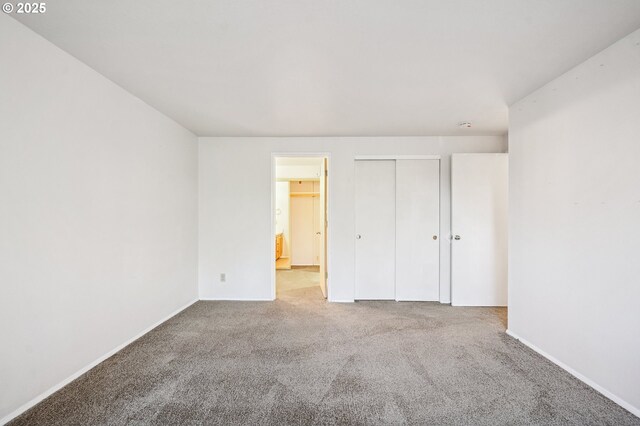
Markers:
point(358, 236)
point(435, 237)
point(457, 237)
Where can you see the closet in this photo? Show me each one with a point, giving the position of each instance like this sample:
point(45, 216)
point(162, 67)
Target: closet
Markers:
point(305, 223)
point(397, 212)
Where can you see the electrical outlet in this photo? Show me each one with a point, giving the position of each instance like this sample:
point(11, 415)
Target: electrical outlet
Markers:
point(223, 277)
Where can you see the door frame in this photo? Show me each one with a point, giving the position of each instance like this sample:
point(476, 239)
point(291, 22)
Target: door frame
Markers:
point(272, 228)
point(405, 157)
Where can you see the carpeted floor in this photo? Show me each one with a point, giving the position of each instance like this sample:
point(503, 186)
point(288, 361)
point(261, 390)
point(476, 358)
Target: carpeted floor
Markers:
point(298, 282)
point(300, 360)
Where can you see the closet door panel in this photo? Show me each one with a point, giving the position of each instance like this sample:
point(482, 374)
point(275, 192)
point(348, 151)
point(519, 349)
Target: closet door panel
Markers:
point(375, 230)
point(417, 230)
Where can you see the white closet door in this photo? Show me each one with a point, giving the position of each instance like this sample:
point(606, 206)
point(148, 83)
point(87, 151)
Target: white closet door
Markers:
point(375, 230)
point(317, 225)
point(418, 230)
point(479, 227)
point(302, 230)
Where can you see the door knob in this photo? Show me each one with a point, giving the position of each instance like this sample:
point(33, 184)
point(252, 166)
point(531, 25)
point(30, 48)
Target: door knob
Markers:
point(358, 236)
point(457, 237)
point(435, 237)
point(318, 233)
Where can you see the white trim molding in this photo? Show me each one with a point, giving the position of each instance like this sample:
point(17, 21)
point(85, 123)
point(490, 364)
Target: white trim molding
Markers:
point(397, 157)
point(621, 402)
point(235, 299)
point(88, 367)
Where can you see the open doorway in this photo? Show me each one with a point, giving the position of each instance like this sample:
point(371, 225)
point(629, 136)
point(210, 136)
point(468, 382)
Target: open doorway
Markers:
point(300, 204)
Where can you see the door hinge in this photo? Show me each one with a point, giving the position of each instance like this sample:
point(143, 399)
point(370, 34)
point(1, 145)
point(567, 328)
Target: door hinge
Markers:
point(326, 172)
point(326, 275)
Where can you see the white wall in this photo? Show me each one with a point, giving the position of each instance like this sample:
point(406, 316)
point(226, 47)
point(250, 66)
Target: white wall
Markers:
point(574, 274)
point(98, 216)
point(247, 163)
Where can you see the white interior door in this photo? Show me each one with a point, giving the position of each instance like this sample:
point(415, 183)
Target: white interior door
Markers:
point(302, 230)
point(317, 227)
point(323, 227)
point(418, 230)
point(375, 230)
point(479, 228)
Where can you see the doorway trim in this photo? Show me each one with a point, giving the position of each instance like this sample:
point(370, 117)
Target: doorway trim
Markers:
point(272, 228)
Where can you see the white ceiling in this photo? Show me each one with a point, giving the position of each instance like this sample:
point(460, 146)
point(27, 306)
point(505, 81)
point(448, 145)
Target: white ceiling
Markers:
point(334, 67)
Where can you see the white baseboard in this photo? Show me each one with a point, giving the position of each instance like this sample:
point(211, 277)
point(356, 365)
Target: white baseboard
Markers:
point(83, 370)
point(234, 299)
point(621, 402)
point(341, 301)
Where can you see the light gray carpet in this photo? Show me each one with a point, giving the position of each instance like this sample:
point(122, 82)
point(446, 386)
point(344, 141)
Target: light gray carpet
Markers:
point(300, 360)
point(298, 282)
